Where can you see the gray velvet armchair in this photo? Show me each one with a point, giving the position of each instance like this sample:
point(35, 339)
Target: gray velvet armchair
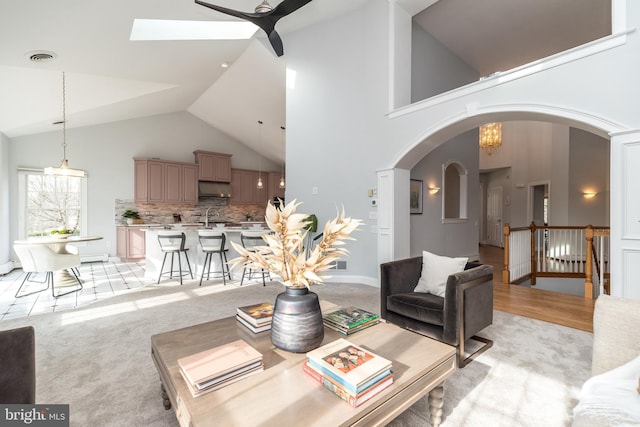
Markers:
point(465, 310)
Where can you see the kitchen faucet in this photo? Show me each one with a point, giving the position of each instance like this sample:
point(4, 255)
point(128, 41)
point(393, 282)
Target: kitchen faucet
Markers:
point(206, 217)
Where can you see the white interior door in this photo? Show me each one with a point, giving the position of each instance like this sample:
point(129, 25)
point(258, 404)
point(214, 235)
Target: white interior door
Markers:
point(494, 216)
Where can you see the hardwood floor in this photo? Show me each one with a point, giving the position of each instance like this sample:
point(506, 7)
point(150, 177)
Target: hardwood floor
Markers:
point(554, 307)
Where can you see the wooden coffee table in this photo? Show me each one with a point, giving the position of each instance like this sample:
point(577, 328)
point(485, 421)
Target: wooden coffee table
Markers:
point(283, 395)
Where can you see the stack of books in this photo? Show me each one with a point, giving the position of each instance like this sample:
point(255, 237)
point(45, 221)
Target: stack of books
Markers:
point(349, 371)
point(220, 366)
point(349, 320)
point(256, 317)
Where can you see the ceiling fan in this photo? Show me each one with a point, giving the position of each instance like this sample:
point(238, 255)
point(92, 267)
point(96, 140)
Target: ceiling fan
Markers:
point(264, 17)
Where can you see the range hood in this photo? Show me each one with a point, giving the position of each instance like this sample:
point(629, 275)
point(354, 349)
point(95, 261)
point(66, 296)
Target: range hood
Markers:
point(208, 189)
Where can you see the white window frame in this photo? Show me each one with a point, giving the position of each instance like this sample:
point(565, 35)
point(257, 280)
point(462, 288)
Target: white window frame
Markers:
point(22, 202)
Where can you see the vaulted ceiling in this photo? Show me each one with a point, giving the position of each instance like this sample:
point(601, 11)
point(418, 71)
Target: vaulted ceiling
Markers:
point(111, 78)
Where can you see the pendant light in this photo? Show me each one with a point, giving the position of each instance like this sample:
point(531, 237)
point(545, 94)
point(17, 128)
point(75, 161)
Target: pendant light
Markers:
point(282, 184)
point(64, 169)
point(260, 185)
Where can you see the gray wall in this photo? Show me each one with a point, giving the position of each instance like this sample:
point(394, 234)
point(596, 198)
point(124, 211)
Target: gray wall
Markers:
point(588, 170)
point(434, 68)
point(105, 152)
point(427, 229)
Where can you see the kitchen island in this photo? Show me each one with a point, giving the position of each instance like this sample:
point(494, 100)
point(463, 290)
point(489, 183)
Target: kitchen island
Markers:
point(196, 257)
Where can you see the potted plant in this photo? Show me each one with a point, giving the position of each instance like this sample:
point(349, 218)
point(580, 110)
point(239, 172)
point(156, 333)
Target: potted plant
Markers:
point(131, 215)
point(297, 319)
point(62, 232)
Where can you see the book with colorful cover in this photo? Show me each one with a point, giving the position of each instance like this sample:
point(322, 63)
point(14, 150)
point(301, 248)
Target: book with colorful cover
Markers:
point(256, 314)
point(353, 400)
point(348, 387)
point(349, 331)
point(349, 317)
point(254, 329)
point(215, 362)
point(350, 364)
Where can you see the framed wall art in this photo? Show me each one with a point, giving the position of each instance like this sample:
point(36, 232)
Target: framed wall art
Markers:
point(415, 196)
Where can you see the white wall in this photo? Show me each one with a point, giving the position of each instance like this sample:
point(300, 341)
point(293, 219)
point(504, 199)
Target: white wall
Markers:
point(106, 152)
point(342, 94)
point(4, 204)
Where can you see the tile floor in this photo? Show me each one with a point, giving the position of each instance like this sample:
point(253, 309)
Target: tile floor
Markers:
point(102, 280)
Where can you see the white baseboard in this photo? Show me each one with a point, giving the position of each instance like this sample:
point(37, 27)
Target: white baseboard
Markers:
point(94, 258)
point(365, 280)
point(6, 267)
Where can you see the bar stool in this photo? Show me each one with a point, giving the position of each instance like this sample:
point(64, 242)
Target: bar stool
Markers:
point(213, 242)
point(172, 242)
point(250, 241)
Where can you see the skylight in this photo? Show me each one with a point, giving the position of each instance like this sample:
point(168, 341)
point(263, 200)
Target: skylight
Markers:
point(157, 29)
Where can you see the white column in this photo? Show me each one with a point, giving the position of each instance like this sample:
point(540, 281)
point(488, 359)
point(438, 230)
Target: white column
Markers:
point(625, 214)
point(393, 215)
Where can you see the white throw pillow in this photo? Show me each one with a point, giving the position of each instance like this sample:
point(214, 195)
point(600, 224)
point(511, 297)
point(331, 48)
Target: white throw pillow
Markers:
point(436, 270)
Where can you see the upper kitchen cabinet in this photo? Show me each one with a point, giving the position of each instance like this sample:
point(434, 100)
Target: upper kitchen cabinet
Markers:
point(244, 190)
point(213, 166)
point(161, 181)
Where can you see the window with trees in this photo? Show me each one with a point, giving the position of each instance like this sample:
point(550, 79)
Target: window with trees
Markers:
point(49, 203)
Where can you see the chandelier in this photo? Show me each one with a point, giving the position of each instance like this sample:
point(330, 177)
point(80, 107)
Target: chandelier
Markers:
point(491, 137)
point(64, 169)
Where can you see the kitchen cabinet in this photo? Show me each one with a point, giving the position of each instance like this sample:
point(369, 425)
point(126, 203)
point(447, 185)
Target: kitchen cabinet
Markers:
point(162, 181)
point(130, 245)
point(244, 190)
point(213, 166)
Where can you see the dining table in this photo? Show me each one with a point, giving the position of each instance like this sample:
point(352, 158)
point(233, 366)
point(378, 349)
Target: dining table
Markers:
point(60, 245)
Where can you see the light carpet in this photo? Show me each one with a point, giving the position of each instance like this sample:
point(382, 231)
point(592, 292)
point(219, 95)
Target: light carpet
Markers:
point(97, 359)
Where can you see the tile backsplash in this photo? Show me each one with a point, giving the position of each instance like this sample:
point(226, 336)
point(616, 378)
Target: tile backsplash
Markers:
point(152, 213)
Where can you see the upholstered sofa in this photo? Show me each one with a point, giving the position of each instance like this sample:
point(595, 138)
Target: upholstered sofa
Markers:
point(611, 397)
point(18, 366)
point(465, 309)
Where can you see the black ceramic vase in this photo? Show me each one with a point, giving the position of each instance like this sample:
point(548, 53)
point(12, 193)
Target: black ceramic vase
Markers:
point(296, 325)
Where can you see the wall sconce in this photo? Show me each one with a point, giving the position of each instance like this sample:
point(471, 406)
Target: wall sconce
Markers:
point(589, 194)
point(434, 190)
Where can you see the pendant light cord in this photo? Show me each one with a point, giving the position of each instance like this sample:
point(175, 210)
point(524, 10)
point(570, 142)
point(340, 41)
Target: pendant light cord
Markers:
point(64, 118)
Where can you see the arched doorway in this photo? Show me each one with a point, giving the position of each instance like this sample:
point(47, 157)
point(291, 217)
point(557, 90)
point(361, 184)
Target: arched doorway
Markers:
point(393, 183)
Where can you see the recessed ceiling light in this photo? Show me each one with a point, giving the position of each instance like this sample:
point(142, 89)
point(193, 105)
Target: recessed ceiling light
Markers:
point(41, 56)
point(225, 65)
point(158, 29)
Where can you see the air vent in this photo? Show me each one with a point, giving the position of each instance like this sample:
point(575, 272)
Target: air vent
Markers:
point(41, 56)
point(338, 265)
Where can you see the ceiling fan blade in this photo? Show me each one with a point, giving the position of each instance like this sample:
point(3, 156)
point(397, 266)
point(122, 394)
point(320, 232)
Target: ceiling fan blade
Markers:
point(276, 42)
point(286, 7)
point(266, 21)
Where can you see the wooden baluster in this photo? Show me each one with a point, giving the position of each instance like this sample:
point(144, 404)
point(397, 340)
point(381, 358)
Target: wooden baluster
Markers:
point(505, 272)
point(588, 268)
